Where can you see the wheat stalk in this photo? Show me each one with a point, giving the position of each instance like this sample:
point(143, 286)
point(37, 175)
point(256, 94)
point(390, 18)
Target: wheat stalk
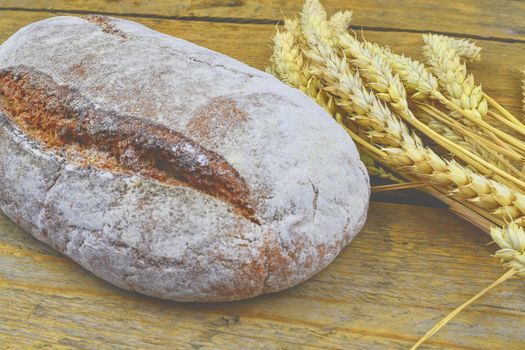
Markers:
point(506, 276)
point(495, 153)
point(511, 240)
point(398, 186)
point(470, 141)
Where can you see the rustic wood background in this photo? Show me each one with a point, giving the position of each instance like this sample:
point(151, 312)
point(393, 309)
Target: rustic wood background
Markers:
point(410, 266)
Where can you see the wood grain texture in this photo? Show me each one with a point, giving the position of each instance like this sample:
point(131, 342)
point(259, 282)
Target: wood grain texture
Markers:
point(408, 268)
point(486, 18)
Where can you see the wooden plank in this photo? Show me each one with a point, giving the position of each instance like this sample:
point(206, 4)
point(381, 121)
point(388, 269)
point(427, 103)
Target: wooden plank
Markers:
point(500, 19)
point(406, 270)
point(498, 71)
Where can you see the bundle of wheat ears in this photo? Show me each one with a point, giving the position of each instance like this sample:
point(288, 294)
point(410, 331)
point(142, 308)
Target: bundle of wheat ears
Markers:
point(424, 125)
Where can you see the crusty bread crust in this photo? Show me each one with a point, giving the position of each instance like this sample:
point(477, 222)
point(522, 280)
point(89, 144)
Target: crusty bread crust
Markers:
point(62, 120)
point(167, 168)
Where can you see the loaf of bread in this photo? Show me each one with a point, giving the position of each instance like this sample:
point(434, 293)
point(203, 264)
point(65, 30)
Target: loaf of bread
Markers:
point(169, 169)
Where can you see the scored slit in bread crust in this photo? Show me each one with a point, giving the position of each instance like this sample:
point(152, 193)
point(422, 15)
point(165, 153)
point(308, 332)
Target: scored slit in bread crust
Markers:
point(62, 119)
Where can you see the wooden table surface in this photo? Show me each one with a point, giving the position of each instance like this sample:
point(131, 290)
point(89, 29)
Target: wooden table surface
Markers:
point(408, 268)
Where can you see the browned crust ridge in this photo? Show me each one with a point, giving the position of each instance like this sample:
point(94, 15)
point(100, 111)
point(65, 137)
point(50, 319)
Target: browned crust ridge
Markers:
point(60, 118)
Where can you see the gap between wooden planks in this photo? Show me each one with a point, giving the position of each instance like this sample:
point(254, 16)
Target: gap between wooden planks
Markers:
point(484, 19)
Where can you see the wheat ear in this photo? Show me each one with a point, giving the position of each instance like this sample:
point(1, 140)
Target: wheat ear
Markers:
point(340, 21)
point(452, 75)
point(288, 61)
point(444, 55)
point(469, 52)
point(314, 25)
point(466, 49)
point(511, 240)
